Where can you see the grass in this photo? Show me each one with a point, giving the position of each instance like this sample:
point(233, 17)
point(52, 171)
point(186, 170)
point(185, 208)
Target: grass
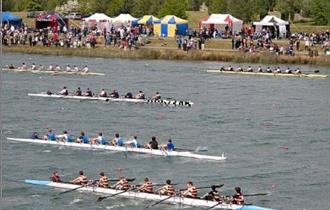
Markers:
point(194, 17)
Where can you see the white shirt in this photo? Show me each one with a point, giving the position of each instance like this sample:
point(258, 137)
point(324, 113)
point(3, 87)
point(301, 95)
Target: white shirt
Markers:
point(85, 69)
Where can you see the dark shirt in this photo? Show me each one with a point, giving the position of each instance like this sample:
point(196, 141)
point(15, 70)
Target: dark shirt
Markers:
point(154, 144)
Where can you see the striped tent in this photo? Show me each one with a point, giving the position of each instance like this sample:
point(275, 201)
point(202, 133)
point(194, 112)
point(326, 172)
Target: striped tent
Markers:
point(170, 26)
point(147, 20)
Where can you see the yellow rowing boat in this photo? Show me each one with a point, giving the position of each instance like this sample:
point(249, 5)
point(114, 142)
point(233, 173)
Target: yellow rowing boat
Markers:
point(267, 74)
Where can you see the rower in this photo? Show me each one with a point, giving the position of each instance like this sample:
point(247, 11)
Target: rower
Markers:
point(169, 146)
point(213, 195)
point(56, 177)
point(238, 198)
point(81, 179)
point(222, 68)
point(83, 138)
point(24, 67)
point(78, 92)
point(103, 94)
point(64, 91)
point(117, 141)
point(99, 140)
point(140, 95)
point(57, 68)
point(11, 66)
point(133, 143)
point(316, 71)
point(88, 93)
point(230, 68)
point(68, 68)
point(297, 71)
point(249, 69)
point(85, 69)
point(35, 135)
point(41, 67)
point(129, 95)
point(75, 68)
point(156, 97)
point(33, 67)
point(50, 136)
point(65, 137)
point(191, 191)
point(146, 187)
point(153, 144)
point(103, 181)
point(239, 69)
point(51, 67)
point(268, 70)
point(259, 69)
point(288, 71)
point(114, 94)
point(122, 184)
point(167, 189)
point(278, 70)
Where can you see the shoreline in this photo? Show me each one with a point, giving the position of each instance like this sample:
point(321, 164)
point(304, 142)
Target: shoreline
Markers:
point(172, 54)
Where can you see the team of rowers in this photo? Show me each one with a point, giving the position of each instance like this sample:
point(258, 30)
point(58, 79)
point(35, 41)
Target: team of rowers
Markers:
point(51, 67)
point(104, 94)
point(100, 140)
point(260, 69)
point(148, 187)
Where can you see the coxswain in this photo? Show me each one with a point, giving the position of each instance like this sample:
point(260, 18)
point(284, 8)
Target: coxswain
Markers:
point(114, 94)
point(83, 138)
point(81, 179)
point(268, 70)
point(50, 136)
point(169, 146)
point(56, 177)
point(65, 137)
point(75, 68)
point(24, 67)
point(259, 69)
point(278, 70)
point(238, 198)
point(78, 92)
point(297, 71)
point(213, 195)
point(64, 91)
point(140, 95)
point(33, 67)
point(51, 67)
point(88, 93)
point(191, 191)
point(153, 144)
point(103, 181)
point(133, 143)
point(239, 69)
point(103, 94)
point(117, 141)
point(156, 97)
point(249, 69)
point(41, 67)
point(288, 71)
point(68, 68)
point(222, 68)
point(167, 189)
point(85, 69)
point(122, 184)
point(35, 135)
point(146, 187)
point(99, 140)
point(129, 95)
point(57, 68)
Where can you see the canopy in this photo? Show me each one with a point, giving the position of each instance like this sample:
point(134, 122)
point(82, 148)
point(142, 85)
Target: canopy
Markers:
point(147, 20)
point(282, 27)
point(171, 19)
point(52, 20)
point(224, 19)
point(124, 19)
point(98, 17)
point(8, 17)
point(170, 26)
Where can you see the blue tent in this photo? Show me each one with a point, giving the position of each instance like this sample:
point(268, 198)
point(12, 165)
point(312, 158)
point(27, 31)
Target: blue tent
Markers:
point(8, 17)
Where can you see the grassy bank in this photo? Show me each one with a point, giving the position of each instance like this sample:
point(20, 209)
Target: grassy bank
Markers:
point(172, 54)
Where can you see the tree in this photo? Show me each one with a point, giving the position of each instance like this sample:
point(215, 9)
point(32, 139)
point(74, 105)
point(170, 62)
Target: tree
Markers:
point(217, 6)
point(34, 5)
point(174, 7)
point(288, 8)
point(320, 12)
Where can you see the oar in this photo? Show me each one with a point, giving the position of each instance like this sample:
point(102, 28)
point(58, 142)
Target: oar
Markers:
point(216, 186)
point(67, 191)
point(116, 180)
point(256, 194)
point(158, 202)
point(99, 199)
point(215, 205)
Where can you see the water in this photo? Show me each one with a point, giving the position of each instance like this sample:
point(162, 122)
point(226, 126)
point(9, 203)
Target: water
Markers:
point(274, 131)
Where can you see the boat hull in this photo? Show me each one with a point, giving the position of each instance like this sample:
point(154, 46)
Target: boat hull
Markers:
point(267, 74)
point(124, 149)
point(147, 196)
point(55, 72)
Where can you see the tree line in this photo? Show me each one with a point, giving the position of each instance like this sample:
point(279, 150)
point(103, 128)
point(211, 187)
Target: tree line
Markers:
point(248, 10)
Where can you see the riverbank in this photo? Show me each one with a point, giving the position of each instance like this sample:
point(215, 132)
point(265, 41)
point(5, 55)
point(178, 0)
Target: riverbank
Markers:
point(173, 54)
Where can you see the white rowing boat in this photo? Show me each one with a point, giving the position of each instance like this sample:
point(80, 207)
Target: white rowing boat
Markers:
point(267, 74)
point(167, 102)
point(62, 72)
point(157, 152)
point(147, 196)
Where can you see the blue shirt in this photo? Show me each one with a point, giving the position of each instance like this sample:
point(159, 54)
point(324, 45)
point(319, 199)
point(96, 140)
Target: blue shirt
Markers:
point(84, 139)
point(51, 136)
point(170, 147)
point(120, 141)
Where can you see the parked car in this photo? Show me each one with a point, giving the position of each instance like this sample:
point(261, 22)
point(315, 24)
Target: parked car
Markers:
point(74, 15)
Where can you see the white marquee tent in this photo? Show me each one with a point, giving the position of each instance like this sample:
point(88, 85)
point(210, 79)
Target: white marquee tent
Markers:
point(124, 19)
point(100, 20)
point(221, 20)
point(274, 21)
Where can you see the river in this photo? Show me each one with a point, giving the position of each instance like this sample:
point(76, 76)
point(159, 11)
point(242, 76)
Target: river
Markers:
point(274, 131)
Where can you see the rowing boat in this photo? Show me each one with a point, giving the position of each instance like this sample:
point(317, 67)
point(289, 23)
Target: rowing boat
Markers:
point(156, 152)
point(147, 196)
point(55, 72)
point(167, 102)
point(267, 74)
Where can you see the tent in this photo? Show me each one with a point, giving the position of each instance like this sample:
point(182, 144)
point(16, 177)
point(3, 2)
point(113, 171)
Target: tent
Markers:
point(124, 19)
point(98, 20)
point(170, 25)
point(147, 20)
point(8, 17)
point(220, 21)
point(52, 20)
point(282, 27)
